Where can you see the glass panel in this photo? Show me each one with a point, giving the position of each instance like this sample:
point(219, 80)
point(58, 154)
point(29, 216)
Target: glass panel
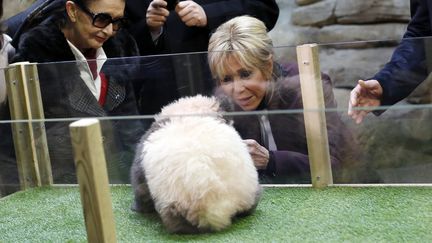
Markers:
point(393, 144)
point(391, 148)
point(395, 147)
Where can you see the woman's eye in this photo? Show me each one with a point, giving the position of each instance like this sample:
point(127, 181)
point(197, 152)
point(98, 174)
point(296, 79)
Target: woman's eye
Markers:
point(227, 79)
point(245, 74)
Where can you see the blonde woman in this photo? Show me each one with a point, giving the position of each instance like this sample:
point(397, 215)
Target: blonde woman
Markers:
point(241, 61)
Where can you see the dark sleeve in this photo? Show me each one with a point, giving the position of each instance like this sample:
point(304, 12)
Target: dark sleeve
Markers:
point(131, 130)
point(219, 12)
point(284, 162)
point(123, 70)
point(407, 67)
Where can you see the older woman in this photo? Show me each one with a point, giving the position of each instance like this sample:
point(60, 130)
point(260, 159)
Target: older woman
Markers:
point(241, 60)
point(86, 33)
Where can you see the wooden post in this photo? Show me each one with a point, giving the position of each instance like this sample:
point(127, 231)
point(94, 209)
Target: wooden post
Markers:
point(93, 180)
point(22, 131)
point(40, 139)
point(314, 115)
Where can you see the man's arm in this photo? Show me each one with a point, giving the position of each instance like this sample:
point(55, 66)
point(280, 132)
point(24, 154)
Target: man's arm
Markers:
point(407, 67)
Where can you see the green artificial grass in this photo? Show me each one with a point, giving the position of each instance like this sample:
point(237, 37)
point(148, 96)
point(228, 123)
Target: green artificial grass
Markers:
point(368, 214)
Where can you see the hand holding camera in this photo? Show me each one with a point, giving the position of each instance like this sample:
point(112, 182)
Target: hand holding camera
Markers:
point(157, 14)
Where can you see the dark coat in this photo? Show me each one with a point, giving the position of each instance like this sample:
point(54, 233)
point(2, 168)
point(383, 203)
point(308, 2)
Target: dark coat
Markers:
point(65, 95)
point(408, 67)
point(290, 163)
point(178, 38)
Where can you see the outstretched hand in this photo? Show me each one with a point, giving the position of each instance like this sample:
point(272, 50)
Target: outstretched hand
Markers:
point(366, 94)
point(191, 13)
point(260, 155)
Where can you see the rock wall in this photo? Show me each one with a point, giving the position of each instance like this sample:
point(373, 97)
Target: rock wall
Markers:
point(374, 26)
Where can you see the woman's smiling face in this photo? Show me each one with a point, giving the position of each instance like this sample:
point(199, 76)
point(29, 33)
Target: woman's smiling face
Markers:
point(247, 87)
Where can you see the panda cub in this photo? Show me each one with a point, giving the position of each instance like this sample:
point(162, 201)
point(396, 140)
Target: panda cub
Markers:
point(193, 168)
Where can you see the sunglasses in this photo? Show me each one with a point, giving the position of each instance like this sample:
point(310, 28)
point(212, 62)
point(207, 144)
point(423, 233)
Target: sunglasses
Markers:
point(102, 20)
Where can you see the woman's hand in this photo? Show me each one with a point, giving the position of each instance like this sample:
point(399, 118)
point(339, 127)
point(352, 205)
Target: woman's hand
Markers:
point(260, 155)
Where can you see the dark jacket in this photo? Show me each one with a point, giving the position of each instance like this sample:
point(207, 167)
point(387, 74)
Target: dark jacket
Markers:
point(408, 67)
point(178, 38)
point(290, 162)
point(65, 95)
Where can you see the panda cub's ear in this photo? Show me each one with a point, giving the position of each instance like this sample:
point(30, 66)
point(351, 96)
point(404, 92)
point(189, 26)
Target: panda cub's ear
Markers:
point(225, 105)
point(230, 122)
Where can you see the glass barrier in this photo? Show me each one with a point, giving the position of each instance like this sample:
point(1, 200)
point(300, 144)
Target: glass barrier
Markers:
point(393, 147)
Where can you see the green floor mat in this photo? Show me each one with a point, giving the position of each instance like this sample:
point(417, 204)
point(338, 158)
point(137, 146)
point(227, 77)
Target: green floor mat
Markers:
point(390, 214)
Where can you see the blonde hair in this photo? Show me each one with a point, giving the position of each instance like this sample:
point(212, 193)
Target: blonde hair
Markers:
point(246, 40)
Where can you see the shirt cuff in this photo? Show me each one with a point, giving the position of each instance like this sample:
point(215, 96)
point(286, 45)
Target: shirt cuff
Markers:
point(155, 35)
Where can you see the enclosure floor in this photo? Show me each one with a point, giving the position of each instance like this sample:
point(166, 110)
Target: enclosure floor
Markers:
point(284, 214)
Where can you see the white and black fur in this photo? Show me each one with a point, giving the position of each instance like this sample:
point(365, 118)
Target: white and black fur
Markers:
point(194, 170)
